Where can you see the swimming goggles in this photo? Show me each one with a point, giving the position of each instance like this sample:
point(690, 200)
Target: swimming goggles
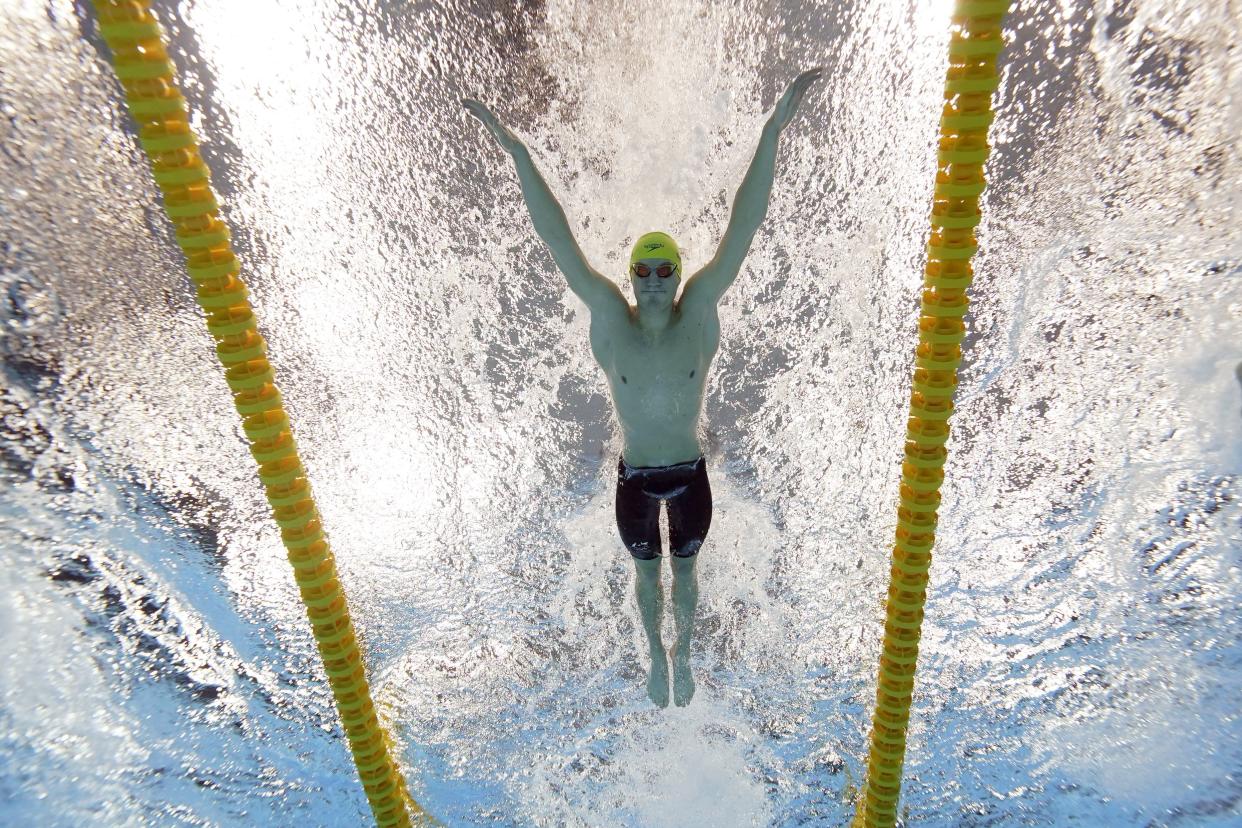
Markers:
point(642, 271)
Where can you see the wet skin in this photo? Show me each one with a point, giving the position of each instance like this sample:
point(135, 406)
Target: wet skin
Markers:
point(657, 372)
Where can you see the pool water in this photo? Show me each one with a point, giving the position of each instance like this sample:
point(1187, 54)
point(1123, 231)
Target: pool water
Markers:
point(1082, 650)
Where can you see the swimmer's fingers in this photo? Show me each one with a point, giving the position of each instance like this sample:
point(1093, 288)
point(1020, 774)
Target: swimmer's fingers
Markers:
point(793, 95)
point(810, 76)
point(507, 140)
point(803, 83)
point(789, 102)
point(484, 114)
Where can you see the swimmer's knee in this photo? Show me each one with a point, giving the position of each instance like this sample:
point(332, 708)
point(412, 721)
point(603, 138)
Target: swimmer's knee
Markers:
point(689, 549)
point(642, 551)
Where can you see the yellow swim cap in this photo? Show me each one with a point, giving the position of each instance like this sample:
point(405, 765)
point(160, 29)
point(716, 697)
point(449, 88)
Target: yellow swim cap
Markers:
point(656, 246)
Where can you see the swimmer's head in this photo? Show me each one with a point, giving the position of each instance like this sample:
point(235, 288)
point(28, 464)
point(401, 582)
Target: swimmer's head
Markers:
point(655, 269)
point(655, 245)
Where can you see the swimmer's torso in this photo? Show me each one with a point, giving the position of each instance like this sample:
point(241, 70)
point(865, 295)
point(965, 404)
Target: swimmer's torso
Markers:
point(657, 384)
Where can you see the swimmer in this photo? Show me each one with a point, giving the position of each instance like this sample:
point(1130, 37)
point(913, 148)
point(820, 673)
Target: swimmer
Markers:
point(655, 356)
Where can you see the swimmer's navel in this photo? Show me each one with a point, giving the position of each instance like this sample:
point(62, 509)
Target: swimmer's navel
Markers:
point(623, 380)
point(692, 373)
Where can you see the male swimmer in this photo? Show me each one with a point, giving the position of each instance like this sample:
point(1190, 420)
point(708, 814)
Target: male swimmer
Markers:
point(656, 358)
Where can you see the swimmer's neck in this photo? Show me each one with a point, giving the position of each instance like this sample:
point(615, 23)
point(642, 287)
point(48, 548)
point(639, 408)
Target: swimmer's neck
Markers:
point(653, 321)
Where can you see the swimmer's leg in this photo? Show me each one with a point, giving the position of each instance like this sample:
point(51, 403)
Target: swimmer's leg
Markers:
point(685, 602)
point(689, 518)
point(638, 523)
point(650, 597)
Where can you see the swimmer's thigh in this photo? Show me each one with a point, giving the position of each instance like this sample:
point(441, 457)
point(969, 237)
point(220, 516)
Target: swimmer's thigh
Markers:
point(638, 520)
point(690, 516)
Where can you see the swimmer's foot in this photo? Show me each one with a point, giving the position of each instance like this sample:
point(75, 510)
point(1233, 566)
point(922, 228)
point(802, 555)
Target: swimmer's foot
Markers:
point(657, 682)
point(683, 680)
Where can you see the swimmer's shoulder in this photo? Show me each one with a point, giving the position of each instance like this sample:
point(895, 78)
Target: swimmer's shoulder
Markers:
point(611, 315)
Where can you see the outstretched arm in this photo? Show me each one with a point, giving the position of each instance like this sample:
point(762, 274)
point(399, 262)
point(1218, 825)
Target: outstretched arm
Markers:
point(549, 219)
point(750, 206)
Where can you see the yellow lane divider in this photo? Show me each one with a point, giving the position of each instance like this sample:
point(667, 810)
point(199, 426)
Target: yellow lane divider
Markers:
point(144, 70)
point(969, 83)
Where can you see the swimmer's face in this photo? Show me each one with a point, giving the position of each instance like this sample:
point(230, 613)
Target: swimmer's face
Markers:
point(653, 290)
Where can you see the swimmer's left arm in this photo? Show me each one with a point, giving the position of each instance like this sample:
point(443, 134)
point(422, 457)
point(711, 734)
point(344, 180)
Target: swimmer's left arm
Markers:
point(750, 206)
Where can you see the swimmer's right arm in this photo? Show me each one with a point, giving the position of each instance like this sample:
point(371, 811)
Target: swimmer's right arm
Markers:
point(549, 219)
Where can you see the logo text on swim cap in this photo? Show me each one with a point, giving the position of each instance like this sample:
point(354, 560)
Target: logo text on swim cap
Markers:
point(653, 245)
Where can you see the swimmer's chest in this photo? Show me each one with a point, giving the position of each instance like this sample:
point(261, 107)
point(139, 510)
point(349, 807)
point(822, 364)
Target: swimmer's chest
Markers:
point(633, 361)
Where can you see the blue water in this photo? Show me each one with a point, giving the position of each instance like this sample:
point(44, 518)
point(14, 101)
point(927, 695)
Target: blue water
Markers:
point(1081, 655)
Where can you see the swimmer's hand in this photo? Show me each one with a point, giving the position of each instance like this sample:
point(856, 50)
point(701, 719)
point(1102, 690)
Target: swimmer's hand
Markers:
point(785, 108)
point(509, 142)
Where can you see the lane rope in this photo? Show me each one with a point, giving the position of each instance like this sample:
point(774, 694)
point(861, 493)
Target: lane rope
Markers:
point(970, 81)
point(148, 77)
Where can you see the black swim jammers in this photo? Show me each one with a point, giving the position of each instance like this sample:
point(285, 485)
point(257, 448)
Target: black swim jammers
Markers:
point(641, 489)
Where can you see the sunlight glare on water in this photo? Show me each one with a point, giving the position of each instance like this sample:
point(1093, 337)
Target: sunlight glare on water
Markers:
point(1080, 660)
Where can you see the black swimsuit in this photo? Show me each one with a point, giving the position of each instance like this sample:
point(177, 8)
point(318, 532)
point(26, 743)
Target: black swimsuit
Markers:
point(640, 490)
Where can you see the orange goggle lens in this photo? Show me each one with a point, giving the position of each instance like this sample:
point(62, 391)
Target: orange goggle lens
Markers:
point(663, 271)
